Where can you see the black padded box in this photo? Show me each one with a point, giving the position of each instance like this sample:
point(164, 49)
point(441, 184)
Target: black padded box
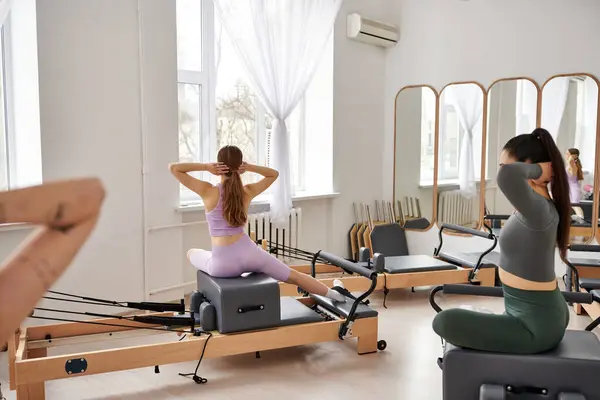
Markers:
point(242, 303)
point(572, 367)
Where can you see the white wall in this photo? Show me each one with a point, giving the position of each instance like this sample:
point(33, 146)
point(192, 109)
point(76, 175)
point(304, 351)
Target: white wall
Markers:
point(89, 78)
point(449, 41)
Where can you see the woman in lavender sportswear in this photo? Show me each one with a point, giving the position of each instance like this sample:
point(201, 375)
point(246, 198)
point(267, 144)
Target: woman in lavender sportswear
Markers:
point(226, 204)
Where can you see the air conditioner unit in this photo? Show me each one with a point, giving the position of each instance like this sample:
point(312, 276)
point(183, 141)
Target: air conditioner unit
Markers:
point(370, 31)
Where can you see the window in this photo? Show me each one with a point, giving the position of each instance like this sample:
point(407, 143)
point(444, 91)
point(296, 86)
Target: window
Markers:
point(449, 144)
point(217, 106)
point(20, 140)
point(428, 107)
point(5, 178)
point(586, 116)
point(451, 138)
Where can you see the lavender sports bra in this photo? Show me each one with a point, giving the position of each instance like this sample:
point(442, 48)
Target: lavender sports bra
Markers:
point(217, 225)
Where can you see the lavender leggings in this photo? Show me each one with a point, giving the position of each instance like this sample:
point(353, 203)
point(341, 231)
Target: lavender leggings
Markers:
point(237, 258)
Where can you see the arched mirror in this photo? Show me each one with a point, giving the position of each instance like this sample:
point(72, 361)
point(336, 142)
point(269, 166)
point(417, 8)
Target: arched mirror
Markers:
point(461, 114)
point(414, 150)
point(569, 113)
point(512, 110)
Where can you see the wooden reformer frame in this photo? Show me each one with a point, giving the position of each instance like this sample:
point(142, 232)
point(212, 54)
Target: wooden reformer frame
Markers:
point(486, 277)
point(30, 366)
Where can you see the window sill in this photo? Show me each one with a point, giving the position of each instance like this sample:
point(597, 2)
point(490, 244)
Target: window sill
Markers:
point(194, 206)
point(446, 184)
point(15, 227)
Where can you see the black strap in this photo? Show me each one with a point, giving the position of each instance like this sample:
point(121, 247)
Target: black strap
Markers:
point(385, 290)
point(195, 377)
point(347, 293)
point(243, 310)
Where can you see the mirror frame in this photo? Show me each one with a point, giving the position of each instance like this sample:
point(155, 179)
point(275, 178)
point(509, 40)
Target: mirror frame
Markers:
point(483, 160)
point(596, 204)
point(435, 151)
point(538, 121)
point(595, 232)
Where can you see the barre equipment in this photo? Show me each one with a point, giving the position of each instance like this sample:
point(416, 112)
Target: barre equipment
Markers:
point(567, 372)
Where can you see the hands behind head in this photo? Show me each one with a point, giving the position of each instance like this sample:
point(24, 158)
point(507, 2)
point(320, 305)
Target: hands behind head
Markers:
point(547, 174)
point(219, 168)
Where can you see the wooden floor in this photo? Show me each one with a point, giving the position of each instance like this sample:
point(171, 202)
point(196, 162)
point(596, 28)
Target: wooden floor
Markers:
point(405, 370)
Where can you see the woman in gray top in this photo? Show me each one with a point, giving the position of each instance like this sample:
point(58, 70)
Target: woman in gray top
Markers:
point(536, 314)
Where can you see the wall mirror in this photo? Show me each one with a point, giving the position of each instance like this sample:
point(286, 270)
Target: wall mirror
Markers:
point(414, 150)
point(512, 110)
point(461, 116)
point(569, 113)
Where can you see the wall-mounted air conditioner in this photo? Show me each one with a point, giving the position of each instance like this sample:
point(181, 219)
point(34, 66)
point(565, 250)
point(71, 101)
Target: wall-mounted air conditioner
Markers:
point(370, 31)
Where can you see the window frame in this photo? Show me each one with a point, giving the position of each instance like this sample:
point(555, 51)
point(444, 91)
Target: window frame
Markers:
point(442, 173)
point(8, 131)
point(207, 81)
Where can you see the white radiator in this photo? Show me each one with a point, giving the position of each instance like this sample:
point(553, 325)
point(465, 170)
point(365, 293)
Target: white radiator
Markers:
point(288, 237)
point(455, 208)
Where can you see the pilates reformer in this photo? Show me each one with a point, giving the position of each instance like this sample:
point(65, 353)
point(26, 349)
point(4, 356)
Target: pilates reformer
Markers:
point(227, 316)
point(567, 372)
point(583, 275)
point(403, 270)
point(397, 269)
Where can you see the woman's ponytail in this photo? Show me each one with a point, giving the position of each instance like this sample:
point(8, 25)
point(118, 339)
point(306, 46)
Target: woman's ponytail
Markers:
point(234, 211)
point(579, 169)
point(559, 188)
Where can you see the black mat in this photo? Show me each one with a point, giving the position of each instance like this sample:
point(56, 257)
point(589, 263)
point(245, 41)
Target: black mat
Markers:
point(585, 262)
point(417, 263)
point(469, 260)
point(343, 309)
point(294, 313)
point(589, 283)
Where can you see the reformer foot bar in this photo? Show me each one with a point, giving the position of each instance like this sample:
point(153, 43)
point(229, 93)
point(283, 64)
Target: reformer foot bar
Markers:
point(583, 275)
point(397, 269)
point(229, 316)
point(474, 260)
point(568, 372)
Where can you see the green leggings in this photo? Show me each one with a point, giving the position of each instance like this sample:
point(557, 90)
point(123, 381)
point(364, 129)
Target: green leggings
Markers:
point(534, 322)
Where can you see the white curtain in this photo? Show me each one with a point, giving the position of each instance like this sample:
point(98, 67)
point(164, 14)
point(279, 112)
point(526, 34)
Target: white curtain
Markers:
point(554, 100)
point(587, 113)
point(526, 106)
point(5, 6)
point(467, 100)
point(280, 44)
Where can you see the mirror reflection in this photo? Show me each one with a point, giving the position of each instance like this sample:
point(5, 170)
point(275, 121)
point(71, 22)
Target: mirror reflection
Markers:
point(459, 154)
point(569, 113)
point(415, 117)
point(512, 110)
